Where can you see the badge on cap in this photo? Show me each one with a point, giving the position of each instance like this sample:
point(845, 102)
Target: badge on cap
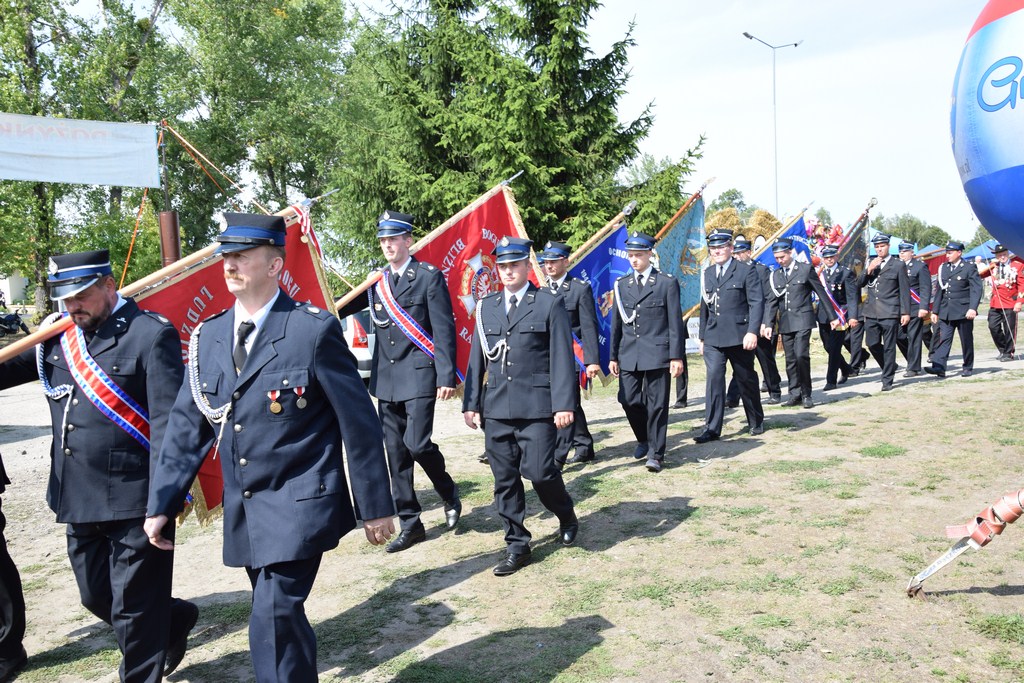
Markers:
point(222, 222)
point(52, 267)
point(504, 241)
point(548, 245)
point(635, 234)
point(386, 216)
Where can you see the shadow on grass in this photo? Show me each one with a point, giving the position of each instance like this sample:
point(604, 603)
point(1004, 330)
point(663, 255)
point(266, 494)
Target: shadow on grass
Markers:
point(522, 654)
point(1007, 591)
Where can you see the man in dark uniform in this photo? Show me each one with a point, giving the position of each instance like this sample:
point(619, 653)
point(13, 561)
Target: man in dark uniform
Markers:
point(272, 383)
point(790, 288)
point(12, 604)
point(731, 309)
point(956, 307)
point(911, 337)
point(648, 345)
point(841, 283)
point(765, 351)
point(524, 344)
point(578, 298)
point(1007, 295)
point(887, 307)
point(116, 362)
point(413, 367)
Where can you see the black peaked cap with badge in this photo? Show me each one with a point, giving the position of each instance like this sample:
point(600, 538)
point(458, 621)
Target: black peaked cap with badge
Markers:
point(250, 230)
point(70, 274)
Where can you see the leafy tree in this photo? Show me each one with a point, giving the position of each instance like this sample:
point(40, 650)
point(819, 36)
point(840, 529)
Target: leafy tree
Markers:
point(824, 216)
point(981, 235)
point(729, 198)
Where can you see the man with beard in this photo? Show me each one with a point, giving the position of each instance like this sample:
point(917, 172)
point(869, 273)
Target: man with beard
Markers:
point(111, 379)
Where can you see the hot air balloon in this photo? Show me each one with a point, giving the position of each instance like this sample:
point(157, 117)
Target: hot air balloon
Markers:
point(987, 120)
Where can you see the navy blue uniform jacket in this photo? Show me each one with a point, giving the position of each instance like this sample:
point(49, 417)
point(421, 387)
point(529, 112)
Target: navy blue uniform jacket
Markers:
point(285, 492)
point(401, 370)
point(578, 298)
point(737, 305)
point(101, 474)
point(537, 379)
point(657, 334)
point(959, 291)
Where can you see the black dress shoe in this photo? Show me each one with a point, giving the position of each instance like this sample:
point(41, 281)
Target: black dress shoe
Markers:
point(407, 539)
point(793, 400)
point(453, 510)
point(641, 450)
point(580, 456)
point(808, 402)
point(886, 387)
point(911, 373)
point(10, 667)
point(705, 436)
point(757, 429)
point(966, 373)
point(511, 563)
point(829, 387)
point(482, 458)
point(184, 616)
point(567, 532)
point(843, 378)
point(679, 404)
point(653, 465)
point(773, 399)
point(732, 404)
point(935, 371)
point(854, 372)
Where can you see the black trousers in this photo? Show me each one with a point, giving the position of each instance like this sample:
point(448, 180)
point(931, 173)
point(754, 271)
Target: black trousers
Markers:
point(575, 437)
point(281, 641)
point(940, 353)
point(880, 335)
point(765, 354)
point(126, 582)
point(644, 398)
point(12, 601)
point(742, 362)
point(833, 340)
point(1002, 324)
point(408, 428)
point(797, 346)
point(910, 341)
point(524, 449)
point(855, 345)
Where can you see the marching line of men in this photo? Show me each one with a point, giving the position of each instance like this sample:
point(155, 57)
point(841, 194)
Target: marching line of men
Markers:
point(272, 385)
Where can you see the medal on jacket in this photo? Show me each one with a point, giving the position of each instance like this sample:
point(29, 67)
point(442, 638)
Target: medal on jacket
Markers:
point(275, 407)
point(300, 401)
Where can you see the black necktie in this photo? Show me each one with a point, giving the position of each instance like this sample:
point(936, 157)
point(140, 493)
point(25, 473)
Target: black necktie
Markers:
point(639, 281)
point(718, 272)
point(240, 354)
point(511, 307)
point(395, 277)
point(553, 285)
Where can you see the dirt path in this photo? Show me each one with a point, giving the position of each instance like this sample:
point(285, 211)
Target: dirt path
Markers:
point(783, 557)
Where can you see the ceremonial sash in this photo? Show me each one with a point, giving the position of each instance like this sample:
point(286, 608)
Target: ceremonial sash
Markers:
point(577, 352)
point(840, 313)
point(110, 399)
point(914, 296)
point(405, 322)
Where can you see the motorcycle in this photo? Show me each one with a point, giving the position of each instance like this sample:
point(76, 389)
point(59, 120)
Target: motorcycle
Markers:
point(12, 323)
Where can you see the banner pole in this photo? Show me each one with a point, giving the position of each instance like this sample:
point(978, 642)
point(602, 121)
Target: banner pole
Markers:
point(683, 209)
point(600, 234)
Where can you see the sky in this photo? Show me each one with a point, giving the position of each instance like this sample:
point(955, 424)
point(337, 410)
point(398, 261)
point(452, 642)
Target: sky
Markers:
point(863, 103)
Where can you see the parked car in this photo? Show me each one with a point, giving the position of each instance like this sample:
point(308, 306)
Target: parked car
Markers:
point(359, 333)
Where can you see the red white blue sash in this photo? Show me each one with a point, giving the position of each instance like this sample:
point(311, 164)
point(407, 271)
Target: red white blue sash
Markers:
point(840, 313)
point(405, 322)
point(102, 392)
point(577, 352)
point(914, 296)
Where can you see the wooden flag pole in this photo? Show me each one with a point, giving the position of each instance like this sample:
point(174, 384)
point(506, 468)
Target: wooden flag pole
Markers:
point(600, 234)
point(683, 209)
point(167, 272)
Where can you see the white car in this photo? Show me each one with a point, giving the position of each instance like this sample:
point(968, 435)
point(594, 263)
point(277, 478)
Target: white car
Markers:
point(359, 334)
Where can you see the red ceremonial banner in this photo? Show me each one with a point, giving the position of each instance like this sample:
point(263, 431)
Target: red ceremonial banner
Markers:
point(462, 248)
point(196, 294)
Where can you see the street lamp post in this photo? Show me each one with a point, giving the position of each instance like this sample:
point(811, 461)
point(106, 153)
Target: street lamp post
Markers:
point(775, 123)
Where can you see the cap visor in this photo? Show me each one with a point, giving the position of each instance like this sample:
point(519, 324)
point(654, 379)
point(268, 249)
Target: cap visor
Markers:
point(59, 292)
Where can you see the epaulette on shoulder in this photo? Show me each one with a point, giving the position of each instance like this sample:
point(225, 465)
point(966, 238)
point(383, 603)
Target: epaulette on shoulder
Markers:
point(312, 310)
point(217, 314)
point(155, 316)
point(668, 275)
point(429, 266)
point(625, 277)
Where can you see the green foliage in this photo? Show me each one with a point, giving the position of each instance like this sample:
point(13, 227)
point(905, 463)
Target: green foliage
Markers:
point(911, 228)
point(1005, 627)
point(824, 216)
point(981, 235)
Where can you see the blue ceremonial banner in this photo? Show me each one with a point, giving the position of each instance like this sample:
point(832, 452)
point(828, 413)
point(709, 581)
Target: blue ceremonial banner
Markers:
point(801, 248)
point(600, 267)
point(677, 253)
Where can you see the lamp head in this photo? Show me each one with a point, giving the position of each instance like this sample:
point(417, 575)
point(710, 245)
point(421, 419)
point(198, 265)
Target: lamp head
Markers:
point(747, 36)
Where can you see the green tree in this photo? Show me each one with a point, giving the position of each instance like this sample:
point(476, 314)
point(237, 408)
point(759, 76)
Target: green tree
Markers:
point(733, 198)
point(824, 216)
point(981, 235)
